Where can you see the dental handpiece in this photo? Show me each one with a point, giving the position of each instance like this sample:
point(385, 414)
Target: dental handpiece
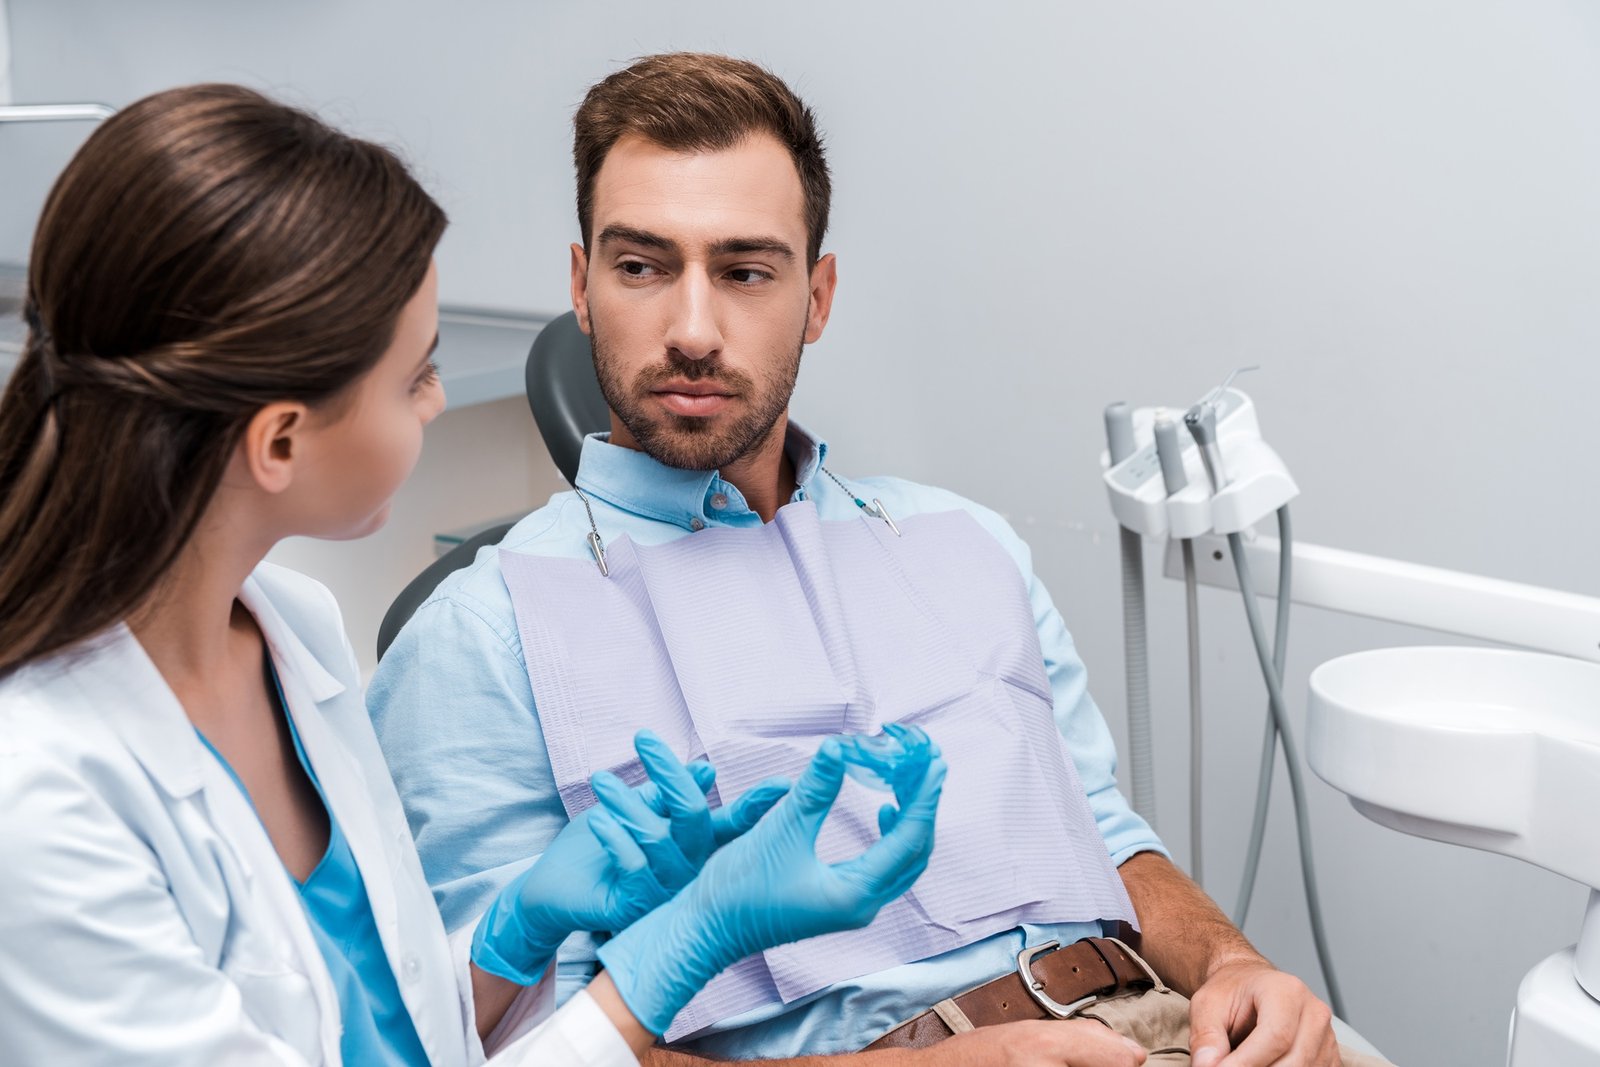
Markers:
point(1202, 422)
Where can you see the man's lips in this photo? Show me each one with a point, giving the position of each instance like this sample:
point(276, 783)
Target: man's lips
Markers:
point(693, 398)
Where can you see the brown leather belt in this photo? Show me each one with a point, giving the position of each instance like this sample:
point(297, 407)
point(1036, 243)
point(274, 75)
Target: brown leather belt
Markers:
point(1049, 983)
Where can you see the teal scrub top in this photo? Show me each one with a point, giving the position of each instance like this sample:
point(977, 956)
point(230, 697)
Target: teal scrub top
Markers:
point(377, 1027)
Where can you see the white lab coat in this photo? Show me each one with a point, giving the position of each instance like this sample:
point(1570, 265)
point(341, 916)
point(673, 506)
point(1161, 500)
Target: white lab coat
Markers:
point(144, 914)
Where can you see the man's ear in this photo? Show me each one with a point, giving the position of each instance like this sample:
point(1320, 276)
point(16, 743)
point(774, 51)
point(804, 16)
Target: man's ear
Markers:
point(273, 441)
point(824, 278)
point(580, 286)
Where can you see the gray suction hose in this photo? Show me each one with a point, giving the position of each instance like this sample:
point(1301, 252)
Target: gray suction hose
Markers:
point(1201, 420)
point(1269, 740)
point(1191, 598)
point(1280, 713)
point(1169, 451)
point(1141, 768)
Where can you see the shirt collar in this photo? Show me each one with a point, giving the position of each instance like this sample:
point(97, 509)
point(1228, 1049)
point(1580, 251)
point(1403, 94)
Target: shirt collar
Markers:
point(635, 482)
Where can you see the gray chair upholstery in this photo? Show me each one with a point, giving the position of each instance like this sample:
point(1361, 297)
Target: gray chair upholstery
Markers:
point(564, 393)
point(564, 396)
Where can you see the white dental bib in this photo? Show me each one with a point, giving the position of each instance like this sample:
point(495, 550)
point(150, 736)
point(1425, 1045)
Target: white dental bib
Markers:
point(748, 646)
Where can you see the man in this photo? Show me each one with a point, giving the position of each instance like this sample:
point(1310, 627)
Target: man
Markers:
point(672, 591)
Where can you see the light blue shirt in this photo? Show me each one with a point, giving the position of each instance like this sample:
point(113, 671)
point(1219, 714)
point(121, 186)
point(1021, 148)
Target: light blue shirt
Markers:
point(455, 715)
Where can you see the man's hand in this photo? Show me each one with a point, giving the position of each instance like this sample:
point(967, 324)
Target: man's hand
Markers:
point(1272, 1016)
point(1032, 1043)
point(1235, 994)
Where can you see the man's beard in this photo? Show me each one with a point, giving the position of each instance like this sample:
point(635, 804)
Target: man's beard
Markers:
point(685, 441)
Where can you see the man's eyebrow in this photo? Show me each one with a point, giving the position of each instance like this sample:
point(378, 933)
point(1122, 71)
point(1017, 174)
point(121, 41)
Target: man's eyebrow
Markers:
point(635, 236)
point(727, 246)
point(743, 246)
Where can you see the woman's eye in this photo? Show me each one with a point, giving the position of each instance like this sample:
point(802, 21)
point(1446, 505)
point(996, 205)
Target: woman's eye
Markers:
point(429, 376)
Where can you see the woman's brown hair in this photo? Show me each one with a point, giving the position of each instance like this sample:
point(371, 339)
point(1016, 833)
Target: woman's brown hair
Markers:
point(207, 252)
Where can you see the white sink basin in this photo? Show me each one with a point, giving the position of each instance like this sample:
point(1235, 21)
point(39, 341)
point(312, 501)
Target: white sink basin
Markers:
point(1490, 748)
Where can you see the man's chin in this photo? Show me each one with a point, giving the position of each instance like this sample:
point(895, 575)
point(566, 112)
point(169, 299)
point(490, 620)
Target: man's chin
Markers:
point(683, 456)
point(689, 444)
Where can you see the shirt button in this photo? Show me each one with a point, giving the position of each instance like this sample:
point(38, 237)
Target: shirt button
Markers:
point(719, 500)
point(410, 967)
point(697, 523)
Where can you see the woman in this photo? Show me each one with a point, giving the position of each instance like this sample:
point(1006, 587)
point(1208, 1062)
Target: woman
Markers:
point(232, 309)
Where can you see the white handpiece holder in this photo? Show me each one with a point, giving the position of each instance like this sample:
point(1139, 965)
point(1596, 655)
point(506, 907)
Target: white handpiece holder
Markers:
point(1258, 485)
point(1257, 482)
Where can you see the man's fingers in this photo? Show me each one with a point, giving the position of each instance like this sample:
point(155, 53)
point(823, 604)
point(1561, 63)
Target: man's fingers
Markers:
point(1266, 1045)
point(1213, 1021)
point(1038, 1043)
point(1303, 1039)
point(1208, 1037)
point(1093, 1044)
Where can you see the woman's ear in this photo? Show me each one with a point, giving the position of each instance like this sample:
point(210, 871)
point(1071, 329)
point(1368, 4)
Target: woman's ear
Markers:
point(273, 442)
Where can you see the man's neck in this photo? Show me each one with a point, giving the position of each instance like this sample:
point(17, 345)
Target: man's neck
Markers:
point(765, 475)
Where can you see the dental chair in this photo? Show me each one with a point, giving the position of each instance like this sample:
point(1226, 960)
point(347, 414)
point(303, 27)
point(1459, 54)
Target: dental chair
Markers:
point(564, 396)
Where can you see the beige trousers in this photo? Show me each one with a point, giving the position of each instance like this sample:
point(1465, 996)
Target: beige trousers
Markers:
point(1159, 1020)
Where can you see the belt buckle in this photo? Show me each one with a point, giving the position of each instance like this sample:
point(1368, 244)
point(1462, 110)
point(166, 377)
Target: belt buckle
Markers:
point(1035, 987)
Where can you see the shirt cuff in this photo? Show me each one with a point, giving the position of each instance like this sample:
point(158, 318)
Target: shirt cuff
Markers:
point(579, 1034)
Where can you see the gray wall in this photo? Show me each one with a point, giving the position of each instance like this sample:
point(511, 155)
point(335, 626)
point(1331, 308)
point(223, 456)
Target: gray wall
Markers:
point(1394, 207)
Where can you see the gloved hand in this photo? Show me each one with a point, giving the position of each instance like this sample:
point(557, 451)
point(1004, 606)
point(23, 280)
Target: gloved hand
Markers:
point(768, 888)
point(614, 862)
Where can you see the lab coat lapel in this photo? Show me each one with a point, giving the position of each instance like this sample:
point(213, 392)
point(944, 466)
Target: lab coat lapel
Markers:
point(116, 672)
point(307, 684)
point(158, 732)
point(270, 879)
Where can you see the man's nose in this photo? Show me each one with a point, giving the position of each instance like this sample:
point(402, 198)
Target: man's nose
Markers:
point(693, 330)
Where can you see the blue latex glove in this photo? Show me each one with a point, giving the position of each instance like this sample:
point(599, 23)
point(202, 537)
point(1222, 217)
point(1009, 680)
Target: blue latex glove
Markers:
point(768, 888)
point(614, 862)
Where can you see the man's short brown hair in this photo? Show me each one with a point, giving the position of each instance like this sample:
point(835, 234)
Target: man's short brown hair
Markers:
point(698, 102)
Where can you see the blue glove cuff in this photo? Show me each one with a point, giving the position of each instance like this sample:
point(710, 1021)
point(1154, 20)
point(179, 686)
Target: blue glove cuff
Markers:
point(660, 962)
point(503, 946)
point(487, 959)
